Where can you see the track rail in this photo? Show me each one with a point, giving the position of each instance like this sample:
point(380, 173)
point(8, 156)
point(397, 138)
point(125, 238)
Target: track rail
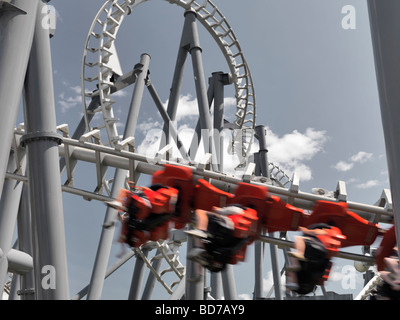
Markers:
point(80, 150)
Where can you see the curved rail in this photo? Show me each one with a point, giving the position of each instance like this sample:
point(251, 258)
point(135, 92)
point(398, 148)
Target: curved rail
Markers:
point(101, 44)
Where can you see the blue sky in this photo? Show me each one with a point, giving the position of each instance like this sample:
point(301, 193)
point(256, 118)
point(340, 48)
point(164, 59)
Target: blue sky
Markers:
point(315, 90)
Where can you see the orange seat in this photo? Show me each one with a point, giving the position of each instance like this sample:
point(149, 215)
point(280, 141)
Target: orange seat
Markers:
point(128, 198)
point(357, 230)
point(207, 196)
point(251, 196)
point(162, 200)
point(281, 216)
point(149, 214)
point(332, 239)
point(246, 192)
point(245, 224)
point(180, 178)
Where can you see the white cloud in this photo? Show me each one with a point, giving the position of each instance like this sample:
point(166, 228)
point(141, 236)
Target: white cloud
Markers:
point(368, 184)
point(148, 125)
point(70, 99)
point(244, 296)
point(188, 106)
point(343, 166)
point(360, 157)
point(290, 151)
point(293, 149)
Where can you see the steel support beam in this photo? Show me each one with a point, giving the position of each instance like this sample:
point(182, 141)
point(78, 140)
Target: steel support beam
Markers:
point(200, 84)
point(137, 278)
point(176, 85)
point(16, 34)
point(216, 285)
point(24, 224)
point(260, 133)
point(41, 142)
point(172, 131)
point(229, 283)
point(275, 270)
point(385, 30)
point(151, 279)
point(258, 270)
point(218, 81)
point(19, 262)
point(9, 205)
point(196, 139)
point(106, 239)
point(194, 279)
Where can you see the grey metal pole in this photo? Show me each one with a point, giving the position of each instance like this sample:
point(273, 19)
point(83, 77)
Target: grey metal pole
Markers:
point(137, 278)
point(142, 69)
point(194, 280)
point(27, 290)
point(219, 83)
point(194, 145)
point(151, 280)
point(275, 270)
point(19, 262)
point(106, 239)
point(167, 119)
point(41, 142)
point(263, 153)
point(17, 21)
point(259, 269)
point(15, 284)
point(262, 161)
point(216, 285)
point(218, 100)
point(200, 84)
point(177, 80)
point(229, 283)
point(385, 30)
point(9, 204)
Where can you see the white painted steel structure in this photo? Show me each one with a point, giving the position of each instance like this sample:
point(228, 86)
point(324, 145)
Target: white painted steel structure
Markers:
point(101, 77)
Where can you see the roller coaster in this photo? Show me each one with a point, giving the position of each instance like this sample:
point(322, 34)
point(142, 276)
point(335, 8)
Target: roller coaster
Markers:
point(36, 154)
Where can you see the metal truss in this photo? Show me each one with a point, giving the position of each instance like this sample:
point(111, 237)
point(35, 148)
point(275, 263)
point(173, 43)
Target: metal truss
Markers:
point(25, 165)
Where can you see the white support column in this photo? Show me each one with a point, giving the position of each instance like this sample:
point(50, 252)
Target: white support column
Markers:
point(385, 29)
point(17, 23)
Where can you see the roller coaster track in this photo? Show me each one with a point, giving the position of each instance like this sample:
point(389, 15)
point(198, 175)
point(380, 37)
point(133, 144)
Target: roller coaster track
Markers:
point(99, 67)
point(100, 63)
point(81, 150)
